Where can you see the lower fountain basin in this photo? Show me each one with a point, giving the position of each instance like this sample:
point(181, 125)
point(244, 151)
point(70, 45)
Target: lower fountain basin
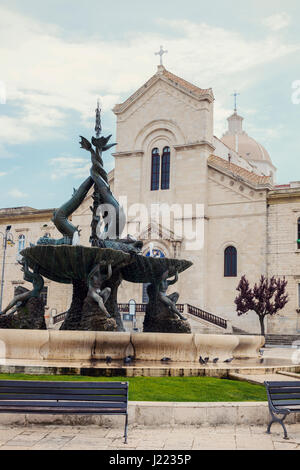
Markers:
point(90, 346)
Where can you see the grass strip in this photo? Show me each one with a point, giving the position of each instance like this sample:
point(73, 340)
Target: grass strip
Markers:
point(170, 389)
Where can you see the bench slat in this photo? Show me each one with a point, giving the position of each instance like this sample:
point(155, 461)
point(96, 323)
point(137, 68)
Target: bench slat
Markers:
point(63, 391)
point(282, 384)
point(65, 411)
point(62, 404)
point(65, 396)
point(282, 396)
point(72, 385)
point(273, 391)
point(286, 402)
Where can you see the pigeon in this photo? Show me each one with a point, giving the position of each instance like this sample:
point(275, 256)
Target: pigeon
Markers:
point(166, 359)
point(108, 359)
point(215, 360)
point(261, 360)
point(202, 361)
point(229, 360)
point(206, 359)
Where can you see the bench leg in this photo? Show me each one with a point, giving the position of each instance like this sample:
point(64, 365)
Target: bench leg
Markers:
point(276, 419)
point(126, 429)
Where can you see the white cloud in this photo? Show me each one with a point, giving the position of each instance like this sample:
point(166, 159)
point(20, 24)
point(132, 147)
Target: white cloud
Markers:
point(47, 75)
point(17, 193)
point(277, 22)
point(69, 166)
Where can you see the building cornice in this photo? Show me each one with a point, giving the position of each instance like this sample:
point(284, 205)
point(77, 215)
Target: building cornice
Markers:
point(11, 215)
point(192, 145)
point(284, 197)
point(129, 153)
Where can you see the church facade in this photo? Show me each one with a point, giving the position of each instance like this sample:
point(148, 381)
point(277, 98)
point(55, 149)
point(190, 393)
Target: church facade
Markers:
point(188, 194)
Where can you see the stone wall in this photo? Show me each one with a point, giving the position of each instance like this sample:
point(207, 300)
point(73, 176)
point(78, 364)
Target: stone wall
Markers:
point(284, 259)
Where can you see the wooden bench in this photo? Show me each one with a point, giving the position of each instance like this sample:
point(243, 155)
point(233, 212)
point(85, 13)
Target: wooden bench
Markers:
point(283, 399)
point(77, 398)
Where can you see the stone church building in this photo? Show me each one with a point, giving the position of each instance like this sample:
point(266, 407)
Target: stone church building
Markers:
point(227, 214)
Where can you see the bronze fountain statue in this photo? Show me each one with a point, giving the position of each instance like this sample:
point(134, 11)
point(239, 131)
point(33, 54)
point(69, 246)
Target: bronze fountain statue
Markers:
point(96, 272)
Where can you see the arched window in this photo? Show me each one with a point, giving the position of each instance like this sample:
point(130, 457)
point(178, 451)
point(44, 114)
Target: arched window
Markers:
point(230, 262)
point(298, 234)
point(21, 243)
point(155, 167)
point(165, 168)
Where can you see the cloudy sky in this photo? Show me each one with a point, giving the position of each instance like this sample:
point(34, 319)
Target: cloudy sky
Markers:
point(58, 56)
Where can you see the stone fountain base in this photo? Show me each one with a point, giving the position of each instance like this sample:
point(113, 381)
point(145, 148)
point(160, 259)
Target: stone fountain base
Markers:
point(68, 346)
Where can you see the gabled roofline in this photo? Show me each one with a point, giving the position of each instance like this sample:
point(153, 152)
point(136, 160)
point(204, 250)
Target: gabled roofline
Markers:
point(185, 87)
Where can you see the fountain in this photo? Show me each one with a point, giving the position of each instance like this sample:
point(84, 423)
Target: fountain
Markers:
point(93, 329)
point(96, 272)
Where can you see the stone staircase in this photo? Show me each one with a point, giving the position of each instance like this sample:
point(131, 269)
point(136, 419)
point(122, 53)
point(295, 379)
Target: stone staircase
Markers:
point(200, 320)
point(281, 340)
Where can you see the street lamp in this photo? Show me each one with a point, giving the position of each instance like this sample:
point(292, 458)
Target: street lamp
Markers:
point(7, 240)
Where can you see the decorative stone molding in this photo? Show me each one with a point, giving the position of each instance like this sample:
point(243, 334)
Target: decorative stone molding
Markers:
point(129, 153)
point(192, 145)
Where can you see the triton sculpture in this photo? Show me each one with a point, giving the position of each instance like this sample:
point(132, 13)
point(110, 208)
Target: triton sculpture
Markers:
point(27, 309)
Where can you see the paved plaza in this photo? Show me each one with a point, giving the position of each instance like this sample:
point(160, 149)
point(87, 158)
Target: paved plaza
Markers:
point(185, 438)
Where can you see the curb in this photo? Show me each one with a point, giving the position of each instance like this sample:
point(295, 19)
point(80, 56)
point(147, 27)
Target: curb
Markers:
point(163, 414)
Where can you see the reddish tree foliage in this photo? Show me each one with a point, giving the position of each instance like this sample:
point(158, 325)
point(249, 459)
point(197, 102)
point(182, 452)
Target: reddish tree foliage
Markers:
point(266, 298)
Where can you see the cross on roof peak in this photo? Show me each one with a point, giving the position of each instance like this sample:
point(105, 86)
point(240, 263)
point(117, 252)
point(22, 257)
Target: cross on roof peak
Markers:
point(161, 53)
point(235, 94)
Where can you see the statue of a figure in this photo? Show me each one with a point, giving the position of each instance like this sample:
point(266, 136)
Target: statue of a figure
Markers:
point(169, 300)
point(30, 276)
point(112, 213)
point(95, 292)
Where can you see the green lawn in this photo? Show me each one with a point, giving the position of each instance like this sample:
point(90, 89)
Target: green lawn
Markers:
point(181, 389)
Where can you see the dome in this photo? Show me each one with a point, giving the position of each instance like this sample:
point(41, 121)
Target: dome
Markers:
point(247, 147)
point(239, 141)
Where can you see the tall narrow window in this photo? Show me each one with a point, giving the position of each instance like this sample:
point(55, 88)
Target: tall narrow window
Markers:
point(298, 234)
point(165, 168)
point(230, 262)
point(155, 170)
point(21, 243)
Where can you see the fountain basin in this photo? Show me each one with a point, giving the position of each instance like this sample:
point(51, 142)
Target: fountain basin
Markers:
point(147, 270)
point(65, 263)
point(88, 346)
point(248, 346)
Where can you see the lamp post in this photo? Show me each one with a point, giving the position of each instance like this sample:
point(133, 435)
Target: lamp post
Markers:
point(7, 238)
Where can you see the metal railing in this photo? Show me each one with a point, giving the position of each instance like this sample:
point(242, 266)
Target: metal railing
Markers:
point(59, 317)
point(141, 308)
point(209, 317)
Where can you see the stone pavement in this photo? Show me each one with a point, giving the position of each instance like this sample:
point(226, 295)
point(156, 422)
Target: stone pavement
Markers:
point(261, 378)
point(225, 437)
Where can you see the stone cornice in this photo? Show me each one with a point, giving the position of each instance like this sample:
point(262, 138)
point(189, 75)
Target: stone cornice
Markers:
point(201, 143)
point(14, 215)
point(284, 197)
point(129, 153)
